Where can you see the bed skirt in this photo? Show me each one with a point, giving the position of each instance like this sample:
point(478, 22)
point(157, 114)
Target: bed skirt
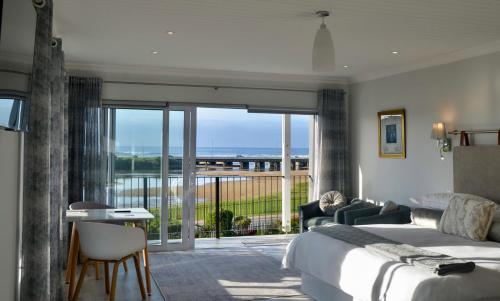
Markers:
point(322, 291)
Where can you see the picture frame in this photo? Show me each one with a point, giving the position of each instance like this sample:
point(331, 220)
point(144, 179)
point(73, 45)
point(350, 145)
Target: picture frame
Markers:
point(392, 134)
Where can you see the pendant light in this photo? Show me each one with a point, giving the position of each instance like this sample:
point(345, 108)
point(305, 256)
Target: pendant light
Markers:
point(323, 58)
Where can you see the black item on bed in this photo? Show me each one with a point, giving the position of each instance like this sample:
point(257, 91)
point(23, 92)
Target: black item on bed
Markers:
point(439, 264)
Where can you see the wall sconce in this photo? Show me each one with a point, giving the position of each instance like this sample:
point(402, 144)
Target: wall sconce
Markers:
point(439, 133)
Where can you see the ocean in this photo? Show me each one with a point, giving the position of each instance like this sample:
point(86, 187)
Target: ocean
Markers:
point(229, 152)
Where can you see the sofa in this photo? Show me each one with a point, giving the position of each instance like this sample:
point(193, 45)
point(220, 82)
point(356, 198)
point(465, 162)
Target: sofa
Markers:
point(356, 213)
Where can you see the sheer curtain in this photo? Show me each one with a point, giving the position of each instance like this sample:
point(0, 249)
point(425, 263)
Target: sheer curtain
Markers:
point(331, 152)
point(87, 153)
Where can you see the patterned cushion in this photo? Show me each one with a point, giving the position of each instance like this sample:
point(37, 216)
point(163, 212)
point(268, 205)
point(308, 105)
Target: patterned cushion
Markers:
point(468, 218)
point(389, 206)
point(424, 217)
point(331, 201)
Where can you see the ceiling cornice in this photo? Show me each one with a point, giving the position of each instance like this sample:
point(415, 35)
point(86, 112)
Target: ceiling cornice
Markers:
point(202, 76)
point(441, 59)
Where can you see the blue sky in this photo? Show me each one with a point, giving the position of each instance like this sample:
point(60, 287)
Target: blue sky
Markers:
point(215, 128)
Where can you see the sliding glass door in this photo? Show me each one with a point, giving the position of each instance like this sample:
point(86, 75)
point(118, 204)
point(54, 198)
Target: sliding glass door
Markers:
point(151, 165)
point(179, 178)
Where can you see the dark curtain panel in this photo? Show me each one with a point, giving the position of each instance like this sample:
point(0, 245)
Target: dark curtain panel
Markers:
point(331, 168)
point(56, 167)
point(36, 250)
point(87, 181)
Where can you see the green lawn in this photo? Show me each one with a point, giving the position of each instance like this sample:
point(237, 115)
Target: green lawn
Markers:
point(269, 205)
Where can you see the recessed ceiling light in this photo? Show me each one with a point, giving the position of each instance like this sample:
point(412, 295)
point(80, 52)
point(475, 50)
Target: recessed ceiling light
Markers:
point(155, 52)
point(170, 33)
point(346, 66)
point(395, 52)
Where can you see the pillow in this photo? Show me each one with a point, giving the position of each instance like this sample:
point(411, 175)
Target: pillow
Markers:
point(424, 217)
point(442, 199)
point(468, 218)
point(494, 233)
point(331, 201)
point(389, 207)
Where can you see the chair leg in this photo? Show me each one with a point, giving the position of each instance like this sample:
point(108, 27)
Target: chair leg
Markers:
point(106, 277)
point(113, 281)
point(125, 267)
point(80, 281)
point(96, 266)
point(139, 275)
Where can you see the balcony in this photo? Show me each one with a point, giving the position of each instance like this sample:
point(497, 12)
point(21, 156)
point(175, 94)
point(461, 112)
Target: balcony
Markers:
point(247, 204)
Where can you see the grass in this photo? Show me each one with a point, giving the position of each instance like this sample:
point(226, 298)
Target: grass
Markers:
point(269, 205)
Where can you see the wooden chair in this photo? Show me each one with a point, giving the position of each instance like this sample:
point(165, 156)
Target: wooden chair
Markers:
point(108, 243)
point(92, 205)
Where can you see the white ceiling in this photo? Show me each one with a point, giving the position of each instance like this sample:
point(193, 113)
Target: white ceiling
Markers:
point(274, 36)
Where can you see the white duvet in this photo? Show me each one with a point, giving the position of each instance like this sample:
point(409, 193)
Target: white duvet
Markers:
point(370, 277)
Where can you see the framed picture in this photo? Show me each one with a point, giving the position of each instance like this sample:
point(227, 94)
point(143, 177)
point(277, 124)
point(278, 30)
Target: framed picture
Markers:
point(392, 134)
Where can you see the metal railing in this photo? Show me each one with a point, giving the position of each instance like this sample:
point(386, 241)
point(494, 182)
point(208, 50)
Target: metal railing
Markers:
point(225, 205)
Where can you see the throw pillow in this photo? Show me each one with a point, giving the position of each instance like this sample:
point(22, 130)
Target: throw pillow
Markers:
point(389, 206)
point(494, 233)
point(468, 218)
point(424, 217)
point(331, 201)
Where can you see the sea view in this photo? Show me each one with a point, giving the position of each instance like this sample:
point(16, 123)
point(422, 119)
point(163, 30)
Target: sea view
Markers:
point(226, 152)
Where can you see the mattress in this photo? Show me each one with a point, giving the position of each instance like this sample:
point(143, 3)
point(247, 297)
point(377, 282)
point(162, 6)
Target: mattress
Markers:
point(367, 276)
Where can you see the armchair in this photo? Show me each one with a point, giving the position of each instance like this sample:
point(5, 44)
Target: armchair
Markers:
point(311, 215)
point(355, 214)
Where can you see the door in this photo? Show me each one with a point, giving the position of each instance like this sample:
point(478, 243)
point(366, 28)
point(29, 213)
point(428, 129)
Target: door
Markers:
point(151, 164)
point(179, 178)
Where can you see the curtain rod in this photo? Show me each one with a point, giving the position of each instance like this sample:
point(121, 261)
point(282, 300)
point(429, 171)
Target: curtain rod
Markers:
point(208, 86)
point(458, 132)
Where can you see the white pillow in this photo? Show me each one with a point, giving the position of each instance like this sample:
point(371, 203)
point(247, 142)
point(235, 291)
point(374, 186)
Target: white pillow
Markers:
point(468, 218)
point(442, 199)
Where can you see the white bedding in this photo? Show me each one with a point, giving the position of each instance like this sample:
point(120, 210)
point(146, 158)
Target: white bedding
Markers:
point(367, 276)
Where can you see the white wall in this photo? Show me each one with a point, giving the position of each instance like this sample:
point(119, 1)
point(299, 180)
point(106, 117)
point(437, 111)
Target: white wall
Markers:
point(10, 155)
point(290, 99)
point(463, 94)
point(197, 86)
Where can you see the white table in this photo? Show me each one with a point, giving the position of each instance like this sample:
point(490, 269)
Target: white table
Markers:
point(138, 216)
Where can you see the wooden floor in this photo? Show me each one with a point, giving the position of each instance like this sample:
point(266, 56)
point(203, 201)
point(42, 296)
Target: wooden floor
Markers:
point(128, 288)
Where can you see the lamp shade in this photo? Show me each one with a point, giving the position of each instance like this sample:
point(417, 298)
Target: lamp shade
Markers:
point(438, 131)
point(323, 59)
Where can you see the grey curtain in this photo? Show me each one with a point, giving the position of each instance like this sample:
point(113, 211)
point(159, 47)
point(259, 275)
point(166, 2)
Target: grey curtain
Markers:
point(56, 167)
point(87, 176)
point(43, 195)
point(331, 170)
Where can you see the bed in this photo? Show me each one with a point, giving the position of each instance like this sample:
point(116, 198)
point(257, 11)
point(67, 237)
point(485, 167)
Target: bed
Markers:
point(335, 270)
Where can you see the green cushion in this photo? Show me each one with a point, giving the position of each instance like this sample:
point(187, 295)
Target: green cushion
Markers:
point(318, 221)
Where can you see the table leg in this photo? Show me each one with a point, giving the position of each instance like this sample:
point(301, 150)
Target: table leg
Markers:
point(74, 261)
point(70, 252)
point(146, 260)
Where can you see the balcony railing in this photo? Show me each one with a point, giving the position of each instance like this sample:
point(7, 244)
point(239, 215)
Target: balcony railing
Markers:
point(225, 205)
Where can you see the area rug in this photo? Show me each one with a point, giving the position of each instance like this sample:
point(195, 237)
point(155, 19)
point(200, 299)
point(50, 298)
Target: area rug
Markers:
point(222, 274)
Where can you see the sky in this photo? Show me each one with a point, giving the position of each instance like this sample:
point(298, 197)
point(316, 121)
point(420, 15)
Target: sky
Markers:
point(215, 128)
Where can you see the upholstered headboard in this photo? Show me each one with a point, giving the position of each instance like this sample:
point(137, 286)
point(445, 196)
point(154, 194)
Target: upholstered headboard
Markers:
point(476, 170)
